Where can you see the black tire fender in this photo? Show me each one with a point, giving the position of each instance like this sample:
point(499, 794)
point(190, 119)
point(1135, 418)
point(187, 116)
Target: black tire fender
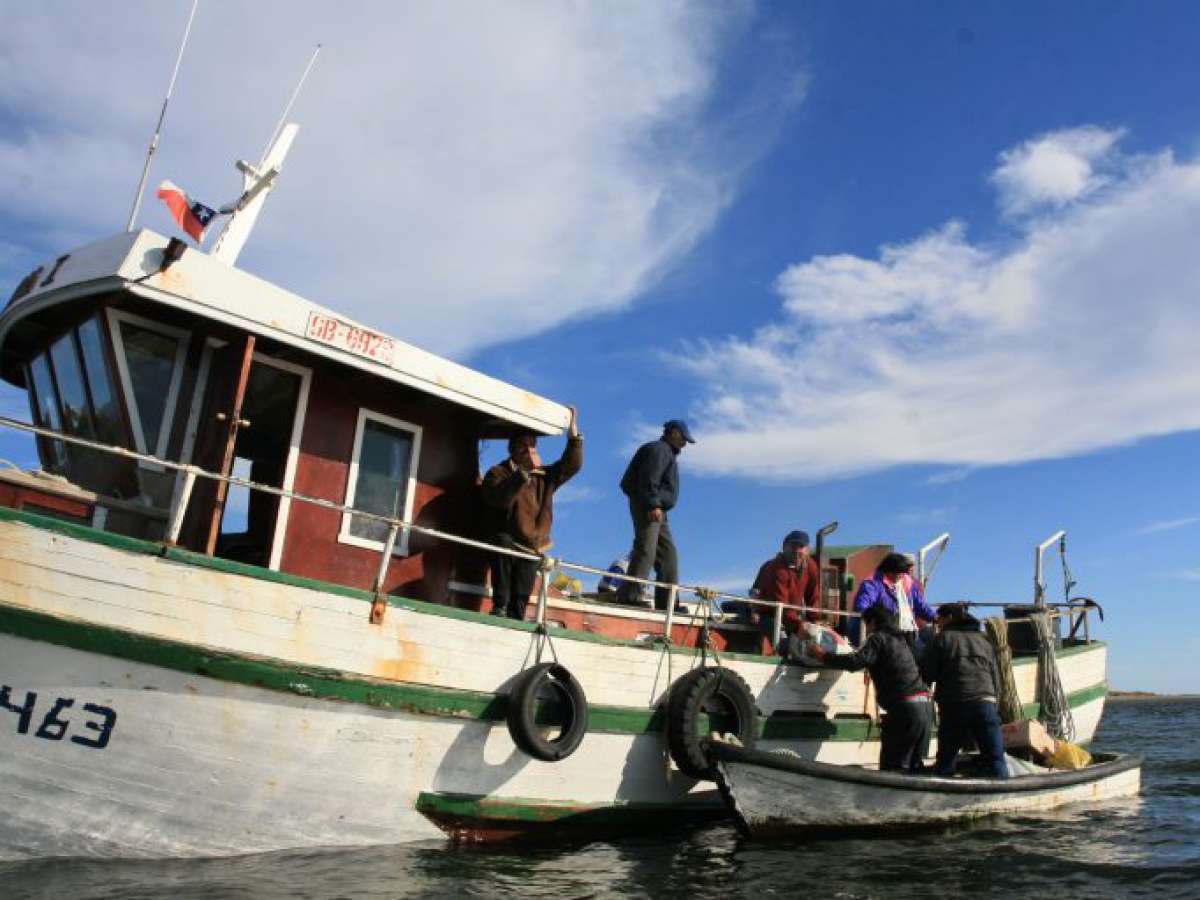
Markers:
point(697, 693)
point(522, 710)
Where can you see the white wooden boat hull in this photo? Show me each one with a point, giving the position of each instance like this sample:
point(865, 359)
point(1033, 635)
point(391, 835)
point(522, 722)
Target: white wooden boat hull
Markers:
point(255, 711)
point(775, 796)
point(194, 765)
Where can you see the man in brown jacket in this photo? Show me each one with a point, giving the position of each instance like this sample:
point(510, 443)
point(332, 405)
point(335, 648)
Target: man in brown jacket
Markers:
point(522, 491)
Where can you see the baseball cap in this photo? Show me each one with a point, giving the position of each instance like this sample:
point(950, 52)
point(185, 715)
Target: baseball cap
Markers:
point(683, 429)
point(797, 537)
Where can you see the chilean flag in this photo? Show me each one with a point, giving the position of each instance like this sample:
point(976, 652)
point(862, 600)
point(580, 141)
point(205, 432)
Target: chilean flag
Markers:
point(192, 217)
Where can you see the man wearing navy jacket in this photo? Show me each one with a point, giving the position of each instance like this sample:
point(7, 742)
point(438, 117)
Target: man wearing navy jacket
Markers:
point(651, 482)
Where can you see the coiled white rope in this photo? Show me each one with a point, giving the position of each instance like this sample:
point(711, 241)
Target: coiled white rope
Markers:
point(1054, 711)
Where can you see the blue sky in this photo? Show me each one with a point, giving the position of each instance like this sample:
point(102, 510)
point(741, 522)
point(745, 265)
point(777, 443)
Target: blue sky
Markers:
point(912, 267)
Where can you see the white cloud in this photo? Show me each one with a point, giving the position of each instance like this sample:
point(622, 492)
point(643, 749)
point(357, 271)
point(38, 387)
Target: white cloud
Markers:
point(1168, 525)
point(465, 173)
point(1186, 574)
point(581, 493)
point(927, 516)
point(1053, 169)
point(949, 476)
point(1074, 336)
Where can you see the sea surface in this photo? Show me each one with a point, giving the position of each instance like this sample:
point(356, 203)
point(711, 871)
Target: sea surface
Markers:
point(1143, 847)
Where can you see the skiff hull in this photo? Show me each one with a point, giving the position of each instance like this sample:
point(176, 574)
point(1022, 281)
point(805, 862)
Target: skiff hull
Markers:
point(778, 793)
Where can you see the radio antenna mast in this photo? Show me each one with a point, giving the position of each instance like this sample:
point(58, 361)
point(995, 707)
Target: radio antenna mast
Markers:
point(162, 114)
point(291, 102)
point(257, 181)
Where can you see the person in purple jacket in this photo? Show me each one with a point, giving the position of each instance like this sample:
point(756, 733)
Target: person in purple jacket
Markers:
point(893, 587)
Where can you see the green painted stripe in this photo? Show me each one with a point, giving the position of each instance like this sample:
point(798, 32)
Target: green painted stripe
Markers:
point(534, 811)
point(308, 681)
point(200, 560)
point(1068, 650)
point(1074, 700)
point(330, 684)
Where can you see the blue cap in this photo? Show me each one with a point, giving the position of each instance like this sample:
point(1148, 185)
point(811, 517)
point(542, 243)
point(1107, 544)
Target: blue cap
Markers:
point(797, 537)
point(683, 429)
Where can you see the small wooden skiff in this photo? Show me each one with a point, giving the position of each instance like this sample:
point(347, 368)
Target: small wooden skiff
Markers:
point(778, 792)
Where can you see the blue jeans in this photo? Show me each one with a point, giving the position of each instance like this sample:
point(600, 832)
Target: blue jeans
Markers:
point(980, 720)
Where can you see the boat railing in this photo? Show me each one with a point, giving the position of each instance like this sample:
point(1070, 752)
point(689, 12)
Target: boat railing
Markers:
point(708, 610)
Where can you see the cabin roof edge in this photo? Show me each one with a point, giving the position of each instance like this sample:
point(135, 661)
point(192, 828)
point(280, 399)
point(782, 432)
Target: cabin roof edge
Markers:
point(209, 288)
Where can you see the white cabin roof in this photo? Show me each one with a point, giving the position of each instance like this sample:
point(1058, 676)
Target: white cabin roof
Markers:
point(206, 287)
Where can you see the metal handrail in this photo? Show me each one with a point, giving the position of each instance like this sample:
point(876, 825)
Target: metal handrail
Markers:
point(190, 473)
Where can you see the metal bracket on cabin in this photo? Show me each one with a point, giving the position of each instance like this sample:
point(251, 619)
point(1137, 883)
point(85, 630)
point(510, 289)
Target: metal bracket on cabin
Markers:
point(378, 608)
point(379, 604)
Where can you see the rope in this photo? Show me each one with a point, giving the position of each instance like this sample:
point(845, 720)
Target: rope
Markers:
point(1054, 712)
point(1010, 704)
point(706, 642)
point(543, 643)
point(1068, 581)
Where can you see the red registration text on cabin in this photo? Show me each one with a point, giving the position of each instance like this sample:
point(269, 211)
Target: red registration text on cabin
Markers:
point(351, 338)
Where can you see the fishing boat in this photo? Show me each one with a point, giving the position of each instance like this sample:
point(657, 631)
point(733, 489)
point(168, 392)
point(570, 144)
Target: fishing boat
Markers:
point(779, 793)
point(244, 603)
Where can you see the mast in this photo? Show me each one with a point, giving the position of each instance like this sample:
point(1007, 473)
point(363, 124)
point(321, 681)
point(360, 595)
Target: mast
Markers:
point(162, 114)
point(258, 180)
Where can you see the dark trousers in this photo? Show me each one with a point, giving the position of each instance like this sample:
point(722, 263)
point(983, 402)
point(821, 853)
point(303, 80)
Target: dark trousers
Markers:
point(904, 736)
point(980, 720)
point(652, 546)
point(512, 581)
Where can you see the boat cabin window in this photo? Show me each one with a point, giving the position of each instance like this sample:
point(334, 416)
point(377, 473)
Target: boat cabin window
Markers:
point(106, 413)
point(72, 393)
point(44, 400)
point(150, 359)
point(382, 479)
point(71, 390)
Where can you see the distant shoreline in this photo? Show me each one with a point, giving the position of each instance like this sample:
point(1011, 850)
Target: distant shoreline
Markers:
point(1148, 697)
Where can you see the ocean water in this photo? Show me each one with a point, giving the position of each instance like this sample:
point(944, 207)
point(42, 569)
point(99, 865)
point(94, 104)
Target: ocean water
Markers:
point(1144, 847)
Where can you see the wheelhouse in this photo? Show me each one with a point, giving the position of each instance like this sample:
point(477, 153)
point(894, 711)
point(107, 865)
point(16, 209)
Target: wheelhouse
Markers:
point(194, 362)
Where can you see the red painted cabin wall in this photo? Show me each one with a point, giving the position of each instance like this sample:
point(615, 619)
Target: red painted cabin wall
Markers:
point(15, 497)
point(445, 495)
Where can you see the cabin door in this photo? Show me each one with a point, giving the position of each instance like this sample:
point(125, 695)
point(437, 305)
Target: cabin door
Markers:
point(251, 420)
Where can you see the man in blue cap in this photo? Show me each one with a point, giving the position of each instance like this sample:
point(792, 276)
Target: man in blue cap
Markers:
point(651, 482)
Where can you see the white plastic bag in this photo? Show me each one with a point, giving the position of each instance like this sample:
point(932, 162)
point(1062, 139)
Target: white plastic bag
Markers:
point(810, 634)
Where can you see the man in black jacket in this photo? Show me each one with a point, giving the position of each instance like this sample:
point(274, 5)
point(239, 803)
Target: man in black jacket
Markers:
point(651, 482)
point(961, 665)
point(908, 720)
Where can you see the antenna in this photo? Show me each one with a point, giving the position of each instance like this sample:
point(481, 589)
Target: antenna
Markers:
point(257, 181)
point(162, 114)
point(291, 102)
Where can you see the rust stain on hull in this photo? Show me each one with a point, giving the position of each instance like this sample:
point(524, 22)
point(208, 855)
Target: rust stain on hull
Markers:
point(407, 665)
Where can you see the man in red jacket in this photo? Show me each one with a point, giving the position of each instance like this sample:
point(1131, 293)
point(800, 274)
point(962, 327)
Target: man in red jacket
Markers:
point(790, 578)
